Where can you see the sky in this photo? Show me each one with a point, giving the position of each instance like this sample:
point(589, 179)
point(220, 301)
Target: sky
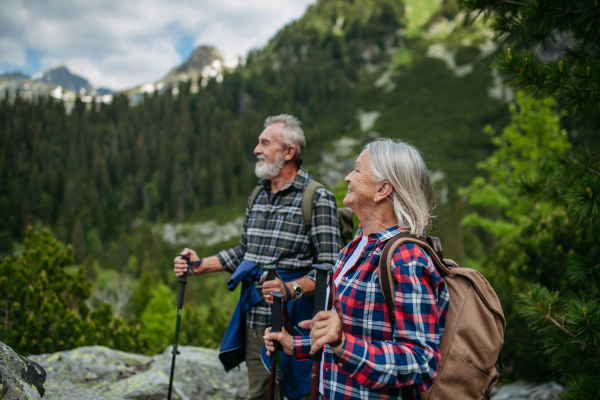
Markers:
point(118, 44)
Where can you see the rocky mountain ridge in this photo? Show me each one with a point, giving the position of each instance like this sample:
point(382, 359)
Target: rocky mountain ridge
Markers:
point(101, 373)
point(205, 63)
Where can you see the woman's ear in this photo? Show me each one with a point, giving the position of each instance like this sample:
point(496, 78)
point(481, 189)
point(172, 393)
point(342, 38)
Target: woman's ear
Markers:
point(385, 189)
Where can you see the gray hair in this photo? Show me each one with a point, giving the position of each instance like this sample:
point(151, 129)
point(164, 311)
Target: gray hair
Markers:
point(402, 165)
point(291, 134)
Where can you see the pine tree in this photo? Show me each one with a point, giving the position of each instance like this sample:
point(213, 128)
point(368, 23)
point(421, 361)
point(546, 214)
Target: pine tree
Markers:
point(44, 307)
point(538, 29)
point(565, 313)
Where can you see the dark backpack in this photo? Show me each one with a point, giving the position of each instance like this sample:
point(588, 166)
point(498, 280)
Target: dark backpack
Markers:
point(345, 214)
point(474, 330)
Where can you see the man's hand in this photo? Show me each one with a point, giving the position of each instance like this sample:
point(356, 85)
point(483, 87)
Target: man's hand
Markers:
point(275, 285)
point(286, 340)
point(180, 265)
point(324, 329)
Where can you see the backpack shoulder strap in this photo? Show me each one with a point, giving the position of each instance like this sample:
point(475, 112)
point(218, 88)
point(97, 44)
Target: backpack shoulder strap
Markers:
point(307, 205)
point(386, 277)
point(254, 195)
point(308, 202)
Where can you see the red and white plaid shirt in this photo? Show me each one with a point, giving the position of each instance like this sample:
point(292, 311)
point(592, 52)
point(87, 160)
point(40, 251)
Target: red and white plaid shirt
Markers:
point(377, 359)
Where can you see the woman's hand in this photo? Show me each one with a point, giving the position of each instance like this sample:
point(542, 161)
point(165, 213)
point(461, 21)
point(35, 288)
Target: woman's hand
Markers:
point(324, 329)
point(286, 340)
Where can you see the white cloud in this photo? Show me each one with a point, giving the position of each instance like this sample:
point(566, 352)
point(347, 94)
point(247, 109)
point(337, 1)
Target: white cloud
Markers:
point(12, 53)
point(119, 44)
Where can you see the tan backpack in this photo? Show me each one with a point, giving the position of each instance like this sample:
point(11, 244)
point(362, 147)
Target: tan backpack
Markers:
point(474, 332)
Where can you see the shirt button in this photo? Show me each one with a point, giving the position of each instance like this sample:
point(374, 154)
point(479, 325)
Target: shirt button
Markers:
point(339, 364)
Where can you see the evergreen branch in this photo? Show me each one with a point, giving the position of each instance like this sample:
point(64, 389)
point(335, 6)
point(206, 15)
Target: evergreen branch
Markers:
point(555, 322)
point(508, 2)
point(571, 87)
point(585, 53)
point(590, 361)
point(593, 171)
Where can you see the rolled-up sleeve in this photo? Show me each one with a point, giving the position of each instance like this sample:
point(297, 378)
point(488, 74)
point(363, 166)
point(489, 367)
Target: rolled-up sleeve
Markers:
point(302, 348)
point(412, 358)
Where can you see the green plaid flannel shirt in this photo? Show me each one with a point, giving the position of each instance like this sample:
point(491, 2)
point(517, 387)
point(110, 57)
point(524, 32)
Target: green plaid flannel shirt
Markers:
point(273, 234)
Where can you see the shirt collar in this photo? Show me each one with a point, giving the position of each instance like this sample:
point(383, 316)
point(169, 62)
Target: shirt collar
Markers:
point(383, 235)
point(299, 181)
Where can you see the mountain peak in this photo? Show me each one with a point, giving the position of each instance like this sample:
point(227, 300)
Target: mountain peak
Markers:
point(200, 58)
point(61, 76)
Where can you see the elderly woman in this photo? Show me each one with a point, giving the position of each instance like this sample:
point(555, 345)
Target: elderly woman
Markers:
point(390, 192)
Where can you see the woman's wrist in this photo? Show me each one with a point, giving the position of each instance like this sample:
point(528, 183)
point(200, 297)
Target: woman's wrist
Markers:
point(337, 348)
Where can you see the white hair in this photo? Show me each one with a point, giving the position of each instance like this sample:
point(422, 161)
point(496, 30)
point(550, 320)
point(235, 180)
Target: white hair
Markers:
point(291, 134)
point(402, 165)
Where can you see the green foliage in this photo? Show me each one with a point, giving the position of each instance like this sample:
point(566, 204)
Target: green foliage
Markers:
point(418, 14)
point(44, 309)
point(546, 218)
point(571, 332)
point(158, 319)
point(201, 325)
point(526, 229)
point(571, 327)
point(574, 74)
point(532, 137)
point(205, 325)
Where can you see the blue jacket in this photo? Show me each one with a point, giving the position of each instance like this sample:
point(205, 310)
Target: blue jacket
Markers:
point(297, 374)
point(233, 350)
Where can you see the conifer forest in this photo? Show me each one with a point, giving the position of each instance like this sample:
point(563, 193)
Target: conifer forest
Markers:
point(97, 199)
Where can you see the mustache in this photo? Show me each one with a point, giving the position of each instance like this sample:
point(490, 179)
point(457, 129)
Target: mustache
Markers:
point(261, 157)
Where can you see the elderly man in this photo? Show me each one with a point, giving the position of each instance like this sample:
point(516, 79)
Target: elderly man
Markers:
point(273, 233)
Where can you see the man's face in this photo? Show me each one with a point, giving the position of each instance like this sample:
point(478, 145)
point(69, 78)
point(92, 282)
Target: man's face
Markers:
point(269, 152)
point(269, 144)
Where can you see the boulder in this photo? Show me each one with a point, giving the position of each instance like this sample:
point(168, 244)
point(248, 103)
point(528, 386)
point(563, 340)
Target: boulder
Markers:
point(101, 373)
point(20, 378)
point(528, 391)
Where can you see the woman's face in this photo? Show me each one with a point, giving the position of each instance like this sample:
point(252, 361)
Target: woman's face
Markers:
point(361, 185)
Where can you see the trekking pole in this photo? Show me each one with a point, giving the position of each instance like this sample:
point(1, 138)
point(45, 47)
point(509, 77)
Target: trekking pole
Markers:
point(182, 283)
point(323, 271)
point(276, 322)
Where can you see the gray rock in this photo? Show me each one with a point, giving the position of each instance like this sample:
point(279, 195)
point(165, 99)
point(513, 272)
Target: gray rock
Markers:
point(104, 374)
point(20, 378)
point(528, 391)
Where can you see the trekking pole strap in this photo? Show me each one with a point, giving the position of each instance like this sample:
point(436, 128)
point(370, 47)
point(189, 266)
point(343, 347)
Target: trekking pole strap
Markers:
point(273, 274)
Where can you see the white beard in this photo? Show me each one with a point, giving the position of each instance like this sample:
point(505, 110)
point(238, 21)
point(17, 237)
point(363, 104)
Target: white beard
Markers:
point(269, 171)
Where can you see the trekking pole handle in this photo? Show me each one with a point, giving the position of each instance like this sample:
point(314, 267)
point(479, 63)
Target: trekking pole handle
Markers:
point(323, 271)
point(276, 322)
point(182, 282)
point(183, 278)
